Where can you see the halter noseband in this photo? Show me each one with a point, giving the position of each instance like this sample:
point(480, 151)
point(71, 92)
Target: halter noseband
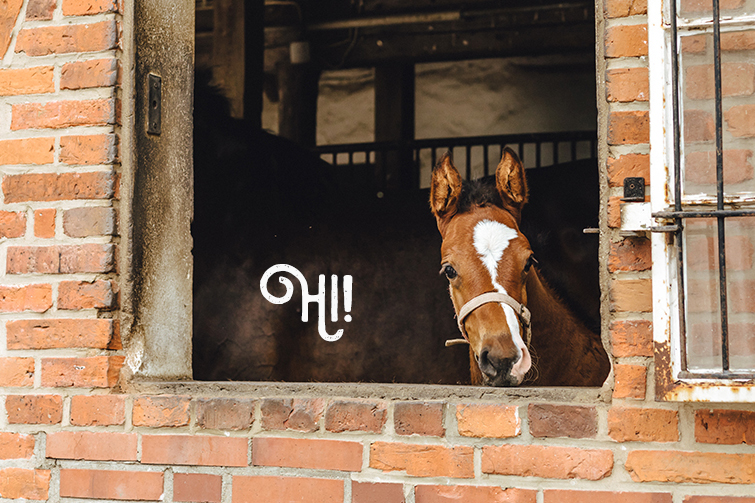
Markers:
point(486, 298)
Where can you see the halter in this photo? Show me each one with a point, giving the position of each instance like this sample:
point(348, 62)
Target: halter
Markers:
point(486, 298)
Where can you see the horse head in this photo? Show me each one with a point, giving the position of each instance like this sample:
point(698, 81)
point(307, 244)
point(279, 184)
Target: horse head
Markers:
point(487, 260)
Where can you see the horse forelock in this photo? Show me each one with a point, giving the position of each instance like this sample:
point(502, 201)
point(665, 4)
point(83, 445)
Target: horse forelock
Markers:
point(480, 192)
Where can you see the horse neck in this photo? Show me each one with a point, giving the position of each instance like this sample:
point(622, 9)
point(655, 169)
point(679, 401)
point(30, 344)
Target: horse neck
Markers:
point(567, 353)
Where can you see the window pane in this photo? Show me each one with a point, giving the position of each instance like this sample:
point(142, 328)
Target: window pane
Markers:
point(690, 10)
point(740, 276)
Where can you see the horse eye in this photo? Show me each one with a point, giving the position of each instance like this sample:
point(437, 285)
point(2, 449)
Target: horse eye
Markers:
point(530, 261)
point(450, 272)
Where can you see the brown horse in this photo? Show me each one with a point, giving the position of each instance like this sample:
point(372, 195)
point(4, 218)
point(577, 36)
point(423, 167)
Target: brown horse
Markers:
point(505, 311)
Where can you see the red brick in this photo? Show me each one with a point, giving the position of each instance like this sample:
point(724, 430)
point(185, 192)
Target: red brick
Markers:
point(739, 121)
point(12, 224)
point(63, 114)
point(89, 221)
point(547, 461)
point(626, 41)
point(573, 421)
point(27, 151)
point(355, 415)
point(698, 126)
point(9, 11)
point(630, 381)
point(111, 484)
point(200, 450)
point(34, 409)
point(717, 499)
point(318, 454)
point(377, 492)
point(722, 426)
point(421, 460)
point(628, 128)
point(58, 186)
point(16, 372)
point(473, 494)
point(89, 73)
point(160, 411)
point(741, 296)
point(627, 84)
point(627, 165)
point(569, 496)
point(89, 372)
point(630, 254)
point(418, 418)
point(695, 44)
point(695, 467)
point(16, 445)
point(614, 212)
point(624, 8)
point(36, 80)
point(92, 446)
point(86, 150)
point(631, 338)
point(44, 223)
point(300, 414)
point(67, 259)
point(627, 424)
point(90, 37)
point(631, 295)
point(700, 167)
point(737, 79)
point(197, 487)
point(48, 333)
point(16, 299)
point(97, 294)
point(299, 489)
point(738, 41)
point(98, 410)
point(88, 7)
point(702, 253)
point(16, 483)
point(39, 10)
point(224, 413)
point(481, 420)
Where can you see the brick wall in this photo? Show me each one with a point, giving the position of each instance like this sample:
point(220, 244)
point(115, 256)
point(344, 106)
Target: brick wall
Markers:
point(68, 430)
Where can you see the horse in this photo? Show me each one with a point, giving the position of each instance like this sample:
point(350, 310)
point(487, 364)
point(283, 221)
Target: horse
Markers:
point(506, 311)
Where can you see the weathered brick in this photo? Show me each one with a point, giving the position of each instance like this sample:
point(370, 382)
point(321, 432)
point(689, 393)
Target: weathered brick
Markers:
point(200, 450)
point(631, 295)
point(34, 409)
point(718, 499)
point(575, 421)
point(27, 151)
point(695, 44)
point(97, 294)
point(627, 84)
point(201, 487)
point(418, 418)
point(16, 483)
point(614, 212)
point(700, 167)
point(44, 223)
point(9, 11)
point(702, 253)
point(63, 114)
point(160, 411)
point(481, 420)
point(86, 150)
point(89, 73)
point(315, 453)
point(377, 492)
point(628, 128)
point(738, 41)
point(88, 7)
point(66, 259)
point(740, 122)
point(88, 372)
point(89, 221)
point(630, 381)
point(98, 410)
point(627, 424)
point(92, 446)
point(39, 10)
point(547, 461)
point(355, 415)
point(35, 80)
point(695, 467)
point(111, 484)
point(12, 224)
point(65, 333)
point(58, 186)
point(225, 413)
point(624, 8)
point(569, 496)
point(631, 338)
point(721, 426)
point(473, 494)
point(700, 6)
point(624, 41)
point(737, 79)
point(16, 372)
point(16, 445)
point(420, 460)
point(631, 165)
point(307, 490)
point(15, 299)
point(90, 37)
point(630, 254)
point(698, 126)
point(300, 414)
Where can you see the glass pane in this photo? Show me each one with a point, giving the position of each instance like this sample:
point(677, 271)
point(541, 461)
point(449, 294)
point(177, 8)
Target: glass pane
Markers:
point(740, 241)
point(690, 10)
point(698, 105)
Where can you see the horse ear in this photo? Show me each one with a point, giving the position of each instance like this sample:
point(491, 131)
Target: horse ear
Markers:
point(445, 188)
point(510, 180)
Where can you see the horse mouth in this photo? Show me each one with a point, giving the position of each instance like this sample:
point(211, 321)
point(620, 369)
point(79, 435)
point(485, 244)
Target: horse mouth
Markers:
point(502, 381)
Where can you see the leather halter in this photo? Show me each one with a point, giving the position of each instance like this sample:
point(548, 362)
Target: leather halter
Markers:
point(486, 298)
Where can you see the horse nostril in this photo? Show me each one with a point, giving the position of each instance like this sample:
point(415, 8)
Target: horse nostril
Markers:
point(491, 365)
